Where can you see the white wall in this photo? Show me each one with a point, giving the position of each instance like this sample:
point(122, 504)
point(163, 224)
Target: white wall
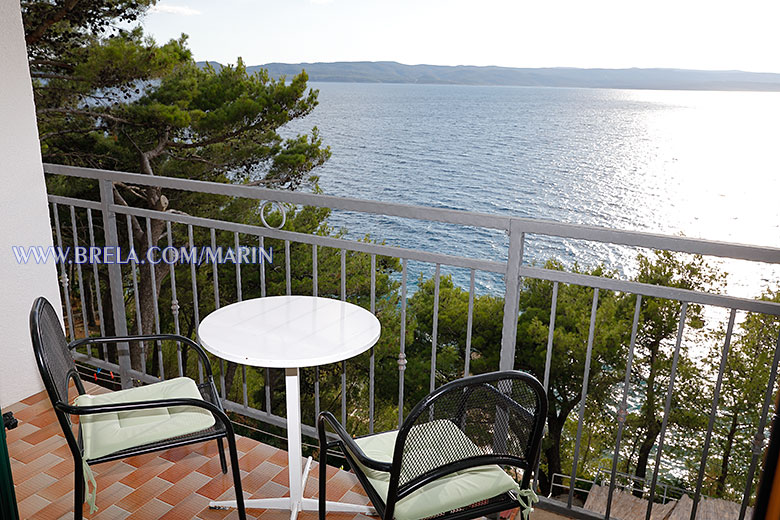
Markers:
point(24, 214)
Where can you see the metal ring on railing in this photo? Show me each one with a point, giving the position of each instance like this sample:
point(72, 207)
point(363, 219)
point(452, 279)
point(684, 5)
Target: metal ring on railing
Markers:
point(282, 210)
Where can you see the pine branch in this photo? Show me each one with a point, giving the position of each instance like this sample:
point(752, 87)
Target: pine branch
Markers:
point(53, 18)
point(81, 112)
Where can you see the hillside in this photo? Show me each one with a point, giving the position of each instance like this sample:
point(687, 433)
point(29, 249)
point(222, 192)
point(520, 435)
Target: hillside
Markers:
point(392, 72)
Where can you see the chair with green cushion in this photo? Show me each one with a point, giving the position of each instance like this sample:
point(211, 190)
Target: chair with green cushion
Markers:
point(115, 425)
point(449, 456)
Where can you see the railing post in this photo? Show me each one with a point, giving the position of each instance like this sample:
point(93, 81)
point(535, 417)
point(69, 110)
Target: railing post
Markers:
point(115, 282)
point(511, 296)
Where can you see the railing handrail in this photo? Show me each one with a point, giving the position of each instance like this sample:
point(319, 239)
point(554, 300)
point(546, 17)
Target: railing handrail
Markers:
point(552, 275)
point(680, 244)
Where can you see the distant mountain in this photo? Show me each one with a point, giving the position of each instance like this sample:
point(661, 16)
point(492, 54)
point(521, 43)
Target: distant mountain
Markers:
point(393, 72)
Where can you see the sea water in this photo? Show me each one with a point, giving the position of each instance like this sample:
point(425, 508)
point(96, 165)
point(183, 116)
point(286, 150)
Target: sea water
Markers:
point(699, 164)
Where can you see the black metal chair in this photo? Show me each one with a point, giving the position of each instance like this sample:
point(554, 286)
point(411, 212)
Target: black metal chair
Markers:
point(446, 459)
point(154, 417)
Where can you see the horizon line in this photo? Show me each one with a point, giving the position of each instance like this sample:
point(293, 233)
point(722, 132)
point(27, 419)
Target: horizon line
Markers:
point(556, 67)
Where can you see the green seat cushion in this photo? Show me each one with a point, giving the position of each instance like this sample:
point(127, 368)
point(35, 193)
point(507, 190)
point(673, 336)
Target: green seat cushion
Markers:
point(106, 433)
point(453, 491)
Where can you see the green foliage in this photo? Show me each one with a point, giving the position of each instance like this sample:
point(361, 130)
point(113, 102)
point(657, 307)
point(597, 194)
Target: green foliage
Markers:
point(744, 386)
point(451, 336)
point(655, 347)
point(570, 343)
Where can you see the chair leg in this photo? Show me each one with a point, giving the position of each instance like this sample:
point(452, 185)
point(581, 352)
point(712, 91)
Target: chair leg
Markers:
point(323, 478)
point(236, 476)
point(323, 464)
point(78, 492)
point(222, 460)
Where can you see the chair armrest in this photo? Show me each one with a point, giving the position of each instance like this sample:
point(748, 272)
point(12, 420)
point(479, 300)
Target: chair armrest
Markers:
point(147, 337)
point(142, 405)
point(349, 443)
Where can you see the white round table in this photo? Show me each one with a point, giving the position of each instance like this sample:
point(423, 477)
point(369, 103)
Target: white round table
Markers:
point(290, 332)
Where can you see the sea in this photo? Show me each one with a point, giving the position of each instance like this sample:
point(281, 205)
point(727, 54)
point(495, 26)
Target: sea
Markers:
point(701, 164)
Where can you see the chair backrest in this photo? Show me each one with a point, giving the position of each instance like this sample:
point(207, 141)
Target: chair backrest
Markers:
point(55, 362)
point(495, 418)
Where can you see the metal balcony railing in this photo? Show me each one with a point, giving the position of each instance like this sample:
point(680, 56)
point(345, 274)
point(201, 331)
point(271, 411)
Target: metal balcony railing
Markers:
point(122, 283)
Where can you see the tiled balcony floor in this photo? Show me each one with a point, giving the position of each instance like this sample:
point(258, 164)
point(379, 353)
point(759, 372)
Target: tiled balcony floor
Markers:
point(173, 484)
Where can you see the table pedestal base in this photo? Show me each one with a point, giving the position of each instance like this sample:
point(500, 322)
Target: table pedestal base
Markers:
point(306, 504)
point(296, 506)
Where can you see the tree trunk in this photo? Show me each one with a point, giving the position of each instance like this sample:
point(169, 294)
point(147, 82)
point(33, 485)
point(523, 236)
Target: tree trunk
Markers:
point(652, 423)
point(148, 291)
point(108, 317)
point(720, 484)
point(644, 455)
point(230, 374)
point(555, 423)
point(89, 295)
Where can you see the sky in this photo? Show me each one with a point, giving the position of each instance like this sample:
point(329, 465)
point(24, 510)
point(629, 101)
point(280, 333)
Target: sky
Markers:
point(693, 34)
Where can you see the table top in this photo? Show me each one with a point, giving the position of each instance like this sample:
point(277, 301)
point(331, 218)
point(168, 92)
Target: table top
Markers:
point(288, 331)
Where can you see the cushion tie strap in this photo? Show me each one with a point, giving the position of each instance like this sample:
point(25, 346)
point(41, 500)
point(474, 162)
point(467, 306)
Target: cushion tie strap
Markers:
point(527, 499)
point(89, 477)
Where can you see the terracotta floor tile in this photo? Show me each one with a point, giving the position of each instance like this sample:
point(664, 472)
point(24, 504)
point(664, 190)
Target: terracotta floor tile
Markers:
point(153, 509)
point(259, 476)
point(233, 514)
point(216, 486)
point(15, 408)
point(41, 434)
point(244, 444)
point(17, 447)
point(22, 472)
point(143, 494)
point(55, 510)
point(187, 509)
point(272, 490)
point(111, 513)
point(42, 448)
point(209, 449)
point(33, 485)
point(62, 469)
point(45, 418)
point(184, 487)
point(183, 467)
point(110, 472)
point(351, 497)
point(63, 451)
point(29, 413)
point(176, 454)
point(283, 477)
point(274, 514)
point(230, 494)
point(212, 467)
point(146, 472)
point(336, 487)
point(20, 432)
point(110, 495)
point(256, 456)
point(312, 489)
point(358, 489)
point(58, 489)
point(35, 398)
point(141, 460)
point(279, 458)
point(216, 514)
point(31, 505)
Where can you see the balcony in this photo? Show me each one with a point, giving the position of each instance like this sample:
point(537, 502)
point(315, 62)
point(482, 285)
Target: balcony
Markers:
point(374, 391)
